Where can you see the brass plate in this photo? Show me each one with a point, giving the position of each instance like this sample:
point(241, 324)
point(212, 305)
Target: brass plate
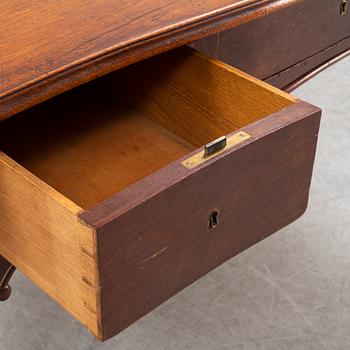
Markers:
point(200, 158)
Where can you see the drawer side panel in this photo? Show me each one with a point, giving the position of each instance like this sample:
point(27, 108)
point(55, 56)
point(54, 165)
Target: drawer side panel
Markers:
point(40, 235)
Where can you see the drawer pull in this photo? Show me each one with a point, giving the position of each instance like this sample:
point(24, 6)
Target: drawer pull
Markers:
point(215, 146)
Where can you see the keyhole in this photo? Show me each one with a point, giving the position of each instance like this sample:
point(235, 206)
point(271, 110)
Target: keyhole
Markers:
point(343, 6)
point(213, 219)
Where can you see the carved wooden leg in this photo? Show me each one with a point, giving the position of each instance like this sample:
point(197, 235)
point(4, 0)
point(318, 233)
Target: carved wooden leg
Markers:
point(6, 272)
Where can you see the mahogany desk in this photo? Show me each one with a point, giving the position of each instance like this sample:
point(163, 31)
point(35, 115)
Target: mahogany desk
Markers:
point(118, 193)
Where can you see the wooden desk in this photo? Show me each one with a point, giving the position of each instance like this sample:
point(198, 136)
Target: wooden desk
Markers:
point(113, 195)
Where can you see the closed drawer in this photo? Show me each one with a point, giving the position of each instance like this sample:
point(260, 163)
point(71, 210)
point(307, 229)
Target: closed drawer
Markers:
point(272, 43)
point(109, 203)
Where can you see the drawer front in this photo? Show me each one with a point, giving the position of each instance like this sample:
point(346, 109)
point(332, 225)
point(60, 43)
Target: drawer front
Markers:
point(275, 42)
point(185, 222)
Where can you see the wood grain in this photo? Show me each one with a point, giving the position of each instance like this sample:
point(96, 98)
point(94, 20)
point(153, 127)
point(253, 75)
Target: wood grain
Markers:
point(40, 234)
point(196, 97)
point(88, 146)
point(49, 47)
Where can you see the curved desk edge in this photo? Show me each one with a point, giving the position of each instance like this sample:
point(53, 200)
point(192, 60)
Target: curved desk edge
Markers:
point(119, 55)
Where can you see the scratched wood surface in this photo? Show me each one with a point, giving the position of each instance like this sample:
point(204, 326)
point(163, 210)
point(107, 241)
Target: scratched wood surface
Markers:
point(48, 47)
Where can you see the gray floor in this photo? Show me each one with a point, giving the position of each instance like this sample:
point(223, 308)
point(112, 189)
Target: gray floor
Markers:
point(291, 291)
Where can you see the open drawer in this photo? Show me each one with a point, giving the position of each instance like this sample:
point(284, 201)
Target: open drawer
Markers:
point(111, 203)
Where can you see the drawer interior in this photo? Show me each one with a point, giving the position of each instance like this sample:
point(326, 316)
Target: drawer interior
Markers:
point(96, 140)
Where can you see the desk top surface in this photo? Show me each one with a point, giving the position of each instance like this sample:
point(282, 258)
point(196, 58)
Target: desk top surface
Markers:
point(47, 47)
